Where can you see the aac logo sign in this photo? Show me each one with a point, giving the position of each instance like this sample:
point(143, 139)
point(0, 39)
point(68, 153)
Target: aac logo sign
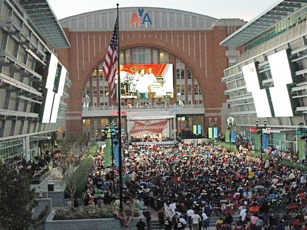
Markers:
point(140, 18)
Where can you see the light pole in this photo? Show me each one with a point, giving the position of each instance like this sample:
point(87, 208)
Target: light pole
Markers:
point(112, 134)
point(302, 145)
point(230, 122)
point(260, 130)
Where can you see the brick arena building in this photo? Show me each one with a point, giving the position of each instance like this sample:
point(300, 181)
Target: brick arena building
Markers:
point(188, 41)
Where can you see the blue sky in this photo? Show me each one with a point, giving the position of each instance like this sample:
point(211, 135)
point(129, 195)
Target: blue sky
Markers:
point(243, 9)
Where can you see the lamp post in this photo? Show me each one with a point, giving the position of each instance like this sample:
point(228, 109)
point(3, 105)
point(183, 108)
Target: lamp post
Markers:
point(112, 134)
point(302, 146)
point(260, 130)
point(230, 122)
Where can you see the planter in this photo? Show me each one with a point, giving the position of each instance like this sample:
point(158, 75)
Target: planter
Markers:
point(85, 224)
point(38, 180)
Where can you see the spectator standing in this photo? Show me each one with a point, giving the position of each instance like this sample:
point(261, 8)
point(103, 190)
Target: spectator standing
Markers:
point(168, 223)
point(205, 220)
point(190, 213)
point(140, 225)
point(147, 215)
point(195, 221)
point(161, 218)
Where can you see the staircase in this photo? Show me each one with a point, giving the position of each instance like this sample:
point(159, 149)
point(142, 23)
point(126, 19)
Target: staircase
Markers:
point(155, 225)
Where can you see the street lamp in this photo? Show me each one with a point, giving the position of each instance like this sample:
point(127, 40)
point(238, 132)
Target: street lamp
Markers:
point(112, 134)
point(230, 122)
point(260, 130)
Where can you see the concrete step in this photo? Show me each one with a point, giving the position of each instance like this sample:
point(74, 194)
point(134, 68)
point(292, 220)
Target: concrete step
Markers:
point(155, 225)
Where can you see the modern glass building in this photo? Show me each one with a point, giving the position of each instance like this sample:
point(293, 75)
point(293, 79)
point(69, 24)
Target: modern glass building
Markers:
point(32, 80)
point(266, 83)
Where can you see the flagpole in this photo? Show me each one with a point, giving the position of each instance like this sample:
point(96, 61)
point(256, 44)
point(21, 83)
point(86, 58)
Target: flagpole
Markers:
point(120, 169)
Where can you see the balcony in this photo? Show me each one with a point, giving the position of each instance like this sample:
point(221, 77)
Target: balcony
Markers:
point(148, 108)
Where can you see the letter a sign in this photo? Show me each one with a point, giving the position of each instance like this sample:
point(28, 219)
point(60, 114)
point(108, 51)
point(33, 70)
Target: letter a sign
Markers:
point(140, 18)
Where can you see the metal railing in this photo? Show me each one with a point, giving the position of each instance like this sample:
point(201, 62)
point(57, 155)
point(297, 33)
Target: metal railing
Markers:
point(145, 106)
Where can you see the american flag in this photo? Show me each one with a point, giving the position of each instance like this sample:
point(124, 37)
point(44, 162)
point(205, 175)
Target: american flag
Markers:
point(110, 62)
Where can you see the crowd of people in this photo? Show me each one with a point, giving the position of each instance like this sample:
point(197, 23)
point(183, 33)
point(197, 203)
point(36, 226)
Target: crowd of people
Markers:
point(192, 185)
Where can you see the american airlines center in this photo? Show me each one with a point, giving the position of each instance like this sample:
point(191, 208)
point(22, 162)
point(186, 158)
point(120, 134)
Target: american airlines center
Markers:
point(179, 49)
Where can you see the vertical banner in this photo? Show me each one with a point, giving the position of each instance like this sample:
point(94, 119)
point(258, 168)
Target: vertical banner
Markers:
point(302, 150)
point(227, 135)
point(215, 132)
point(265, 141)
point(257, 141)
point(195, 129)
point(199, 130)
point(233, 136)
point(107, 154)
point(116, 154)
point(210, 132)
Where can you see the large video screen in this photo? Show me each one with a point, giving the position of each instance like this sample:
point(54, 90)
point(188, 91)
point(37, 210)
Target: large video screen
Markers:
point(146, 81)
point(282, 76)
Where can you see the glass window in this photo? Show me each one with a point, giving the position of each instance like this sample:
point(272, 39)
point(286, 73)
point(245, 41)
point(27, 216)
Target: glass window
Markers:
point(179, 20)
point(128, 56)
point(155, 56)
point(172, 19)
point(141, 55)
point(189, 74)
point(186, 21)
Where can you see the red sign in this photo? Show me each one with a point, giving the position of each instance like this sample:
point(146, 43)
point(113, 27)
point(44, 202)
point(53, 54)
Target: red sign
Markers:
point(156, 127)
point(115, 112)
point(253, 129)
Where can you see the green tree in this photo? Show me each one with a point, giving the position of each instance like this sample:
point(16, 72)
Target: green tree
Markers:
point(17, 199)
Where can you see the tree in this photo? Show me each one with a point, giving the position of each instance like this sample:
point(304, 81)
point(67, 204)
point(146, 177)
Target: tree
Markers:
point(17, 199)
point(71, 179)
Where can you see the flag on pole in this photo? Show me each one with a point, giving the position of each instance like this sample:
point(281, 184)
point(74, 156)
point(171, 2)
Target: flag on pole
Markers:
point(110, 62)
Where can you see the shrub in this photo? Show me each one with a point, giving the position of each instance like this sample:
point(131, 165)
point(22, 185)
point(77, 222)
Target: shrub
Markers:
point(85, 212)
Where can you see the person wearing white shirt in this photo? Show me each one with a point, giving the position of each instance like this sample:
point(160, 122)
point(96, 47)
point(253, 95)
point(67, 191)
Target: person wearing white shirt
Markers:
point(182, 220)
point(172, 207)
point(205, 220)
point(190, 213)
point(195, 221)
point(243, 214)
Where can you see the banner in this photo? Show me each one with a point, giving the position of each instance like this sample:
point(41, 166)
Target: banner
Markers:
point(233, 136)
point(107, 154)
point(116, 154)
point(265, 141)
point(210, 133)
point(302, 150)
point(227, 135)
point(257, 141)
point(139, 128)
point(215, 132)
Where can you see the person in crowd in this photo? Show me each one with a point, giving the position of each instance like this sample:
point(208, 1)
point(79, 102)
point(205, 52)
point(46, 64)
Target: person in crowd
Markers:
point(128, 213)
point(147, 215)
point(120, 217)
point(140, 225)
point(195, 221)
point(194, 175)
point(161, 218)
point(168, 223)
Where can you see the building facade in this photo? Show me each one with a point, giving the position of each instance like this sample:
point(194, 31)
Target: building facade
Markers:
point(267, 85)
point(185, 42)
point(32, 105)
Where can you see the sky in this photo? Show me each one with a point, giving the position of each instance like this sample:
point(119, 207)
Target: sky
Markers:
point(243, 9)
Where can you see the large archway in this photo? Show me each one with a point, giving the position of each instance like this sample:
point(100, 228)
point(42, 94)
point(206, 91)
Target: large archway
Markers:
point(198, 49)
